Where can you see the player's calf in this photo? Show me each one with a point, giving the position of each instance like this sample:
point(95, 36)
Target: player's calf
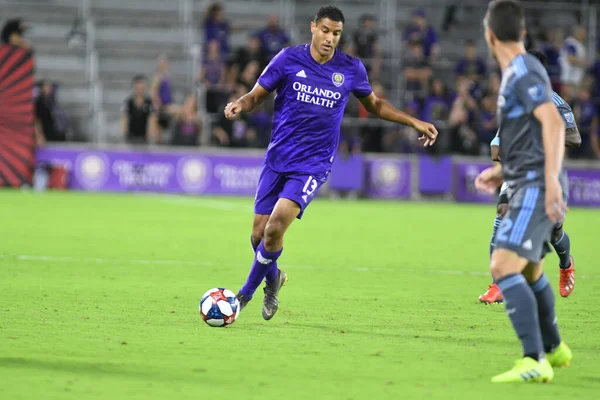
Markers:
point(562, 245)
point(258, 230)
point(519, 299)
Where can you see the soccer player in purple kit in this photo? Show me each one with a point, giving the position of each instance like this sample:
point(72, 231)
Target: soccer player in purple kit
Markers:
point(313, 82)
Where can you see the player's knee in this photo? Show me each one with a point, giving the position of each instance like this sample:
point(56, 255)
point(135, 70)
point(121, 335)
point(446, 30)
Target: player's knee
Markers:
point(501, 210)
point(497, 267)
point(274, 229)
point(557, 233)
point(258, 233)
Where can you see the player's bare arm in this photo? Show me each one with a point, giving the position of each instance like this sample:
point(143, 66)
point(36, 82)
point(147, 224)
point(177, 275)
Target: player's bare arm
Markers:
point(386, 111)
point(247, 102)
point(553, 136)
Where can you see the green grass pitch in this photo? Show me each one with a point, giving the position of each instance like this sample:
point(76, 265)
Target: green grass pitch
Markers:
point(99, 300)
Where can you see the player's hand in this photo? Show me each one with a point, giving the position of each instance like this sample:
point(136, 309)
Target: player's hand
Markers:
point(427, 130)
point(232, 110)
point(489, 180)
point(555, 206)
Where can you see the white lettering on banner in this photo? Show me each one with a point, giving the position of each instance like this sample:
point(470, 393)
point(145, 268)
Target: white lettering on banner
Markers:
point(237, 178)
point(318, 96)
point(151, 175)
point(585, 190)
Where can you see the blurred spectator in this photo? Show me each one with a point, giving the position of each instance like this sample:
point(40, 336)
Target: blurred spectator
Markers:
point(250, 74)
point(272, 38)
point(346, 46)
point(420, 31)
point(493, 86)
point(50, 120)
point(212, 76)
point(435, 106)
point(216, 27)
point(188, 125)
point(244, 56)
point(586, 115)
point(372, 134)
point(13, 32)
point(404, 139)
point(471, 66)
point(138, 115)
point(162, 93)
point(234, 133)
point(417, 70)
point(463, 110)
point(593, 77)
point(573, 61)
point(489, 124)
point(551, 49)
point(366, 46)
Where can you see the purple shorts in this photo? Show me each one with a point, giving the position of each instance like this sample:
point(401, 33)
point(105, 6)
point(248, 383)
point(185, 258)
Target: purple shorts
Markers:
point(298, 187)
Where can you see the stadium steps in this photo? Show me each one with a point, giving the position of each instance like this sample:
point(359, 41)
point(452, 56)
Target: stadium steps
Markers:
point(35, 12)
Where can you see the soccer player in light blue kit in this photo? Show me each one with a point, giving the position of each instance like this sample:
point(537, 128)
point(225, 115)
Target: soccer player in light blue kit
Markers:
point(312, 82)
point(532, 141)
point(559, 239)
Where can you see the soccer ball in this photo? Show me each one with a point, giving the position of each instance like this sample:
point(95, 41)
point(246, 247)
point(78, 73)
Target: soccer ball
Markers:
point(219, 307)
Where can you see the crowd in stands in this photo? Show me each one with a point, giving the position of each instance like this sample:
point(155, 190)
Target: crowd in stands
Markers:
point(461, 102)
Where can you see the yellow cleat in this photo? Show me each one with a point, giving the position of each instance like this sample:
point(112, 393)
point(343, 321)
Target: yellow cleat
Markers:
point(527, 370)
point(561, 356)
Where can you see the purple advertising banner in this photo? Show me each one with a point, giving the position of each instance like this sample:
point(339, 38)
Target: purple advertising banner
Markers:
point(348, 173)
point(584, 187)
point(389, 178)
point(435, 174)
point(158, 172)
point(464, 183)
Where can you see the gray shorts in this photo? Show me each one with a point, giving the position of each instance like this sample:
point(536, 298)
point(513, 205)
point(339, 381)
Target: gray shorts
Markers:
point(526, 229)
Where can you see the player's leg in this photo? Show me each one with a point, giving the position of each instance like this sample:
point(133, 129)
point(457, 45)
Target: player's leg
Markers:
point(557, 352)
point(270, 184)
point(271, 248)
point(562, 245)
point(493, 294)
point(258, 230)
point(520, 245)
point(297, 193)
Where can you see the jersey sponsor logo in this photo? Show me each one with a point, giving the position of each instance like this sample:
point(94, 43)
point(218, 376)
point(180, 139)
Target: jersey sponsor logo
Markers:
point(314, 95)
point(301, 74)
point(337, 79)
point(569, 117)
point(536, 92)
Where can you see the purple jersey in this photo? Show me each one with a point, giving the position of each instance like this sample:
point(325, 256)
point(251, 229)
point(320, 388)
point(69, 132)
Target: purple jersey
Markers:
point(309, 107)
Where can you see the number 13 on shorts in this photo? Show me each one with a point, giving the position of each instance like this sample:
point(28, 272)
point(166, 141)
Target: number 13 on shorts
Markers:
point(309, 188)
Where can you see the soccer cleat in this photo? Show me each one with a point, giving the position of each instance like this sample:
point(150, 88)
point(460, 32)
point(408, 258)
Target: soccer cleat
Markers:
point(270, 302)
point(492, 295)
point(561, 356)
point(527, 370)
point(243, 300)
point(566, 282)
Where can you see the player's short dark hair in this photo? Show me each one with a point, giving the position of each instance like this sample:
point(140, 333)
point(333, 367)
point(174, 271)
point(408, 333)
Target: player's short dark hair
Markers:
point(540, 56)
point(331, 12)
point(506, 18)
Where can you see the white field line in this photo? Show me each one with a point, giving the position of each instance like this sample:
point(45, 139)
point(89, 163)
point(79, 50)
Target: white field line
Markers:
point(221, 205)
point(97, 260)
